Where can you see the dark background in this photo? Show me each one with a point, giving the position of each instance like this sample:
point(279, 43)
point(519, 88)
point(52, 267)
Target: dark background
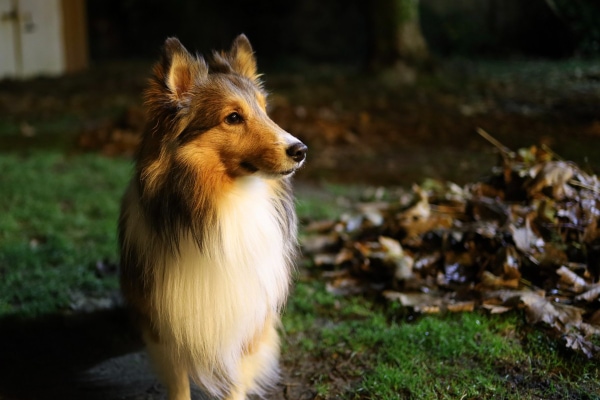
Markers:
point(509, 66)
point(341, 31)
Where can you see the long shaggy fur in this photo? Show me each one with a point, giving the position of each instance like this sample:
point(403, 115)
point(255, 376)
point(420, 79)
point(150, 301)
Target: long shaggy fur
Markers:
point(207, 226)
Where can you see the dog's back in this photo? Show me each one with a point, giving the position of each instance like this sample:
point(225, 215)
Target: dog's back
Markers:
point(207, 227)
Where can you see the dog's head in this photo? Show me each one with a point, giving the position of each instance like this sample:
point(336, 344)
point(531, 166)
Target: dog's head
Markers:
point(211, 115)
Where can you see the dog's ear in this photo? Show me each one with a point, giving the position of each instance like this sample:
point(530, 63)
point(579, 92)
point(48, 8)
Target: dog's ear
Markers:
point(180, 70)
point(242, 58)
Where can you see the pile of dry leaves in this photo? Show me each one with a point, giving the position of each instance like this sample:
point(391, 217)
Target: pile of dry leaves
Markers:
point(526, 238)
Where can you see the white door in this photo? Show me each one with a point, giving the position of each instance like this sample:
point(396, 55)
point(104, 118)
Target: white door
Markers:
point(41, 37)
point(31, 38)
point(8, 57)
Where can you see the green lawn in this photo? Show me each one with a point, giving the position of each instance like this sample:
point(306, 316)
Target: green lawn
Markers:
point(357, 348)
point(58, 220)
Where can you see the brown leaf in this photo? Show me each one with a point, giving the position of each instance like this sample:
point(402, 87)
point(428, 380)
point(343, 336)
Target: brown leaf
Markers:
point(318, 243)
point(590, 295)
point(324, 226)
point(324, 259)
point(404, 268)
point(511, 263)
point(342, 284)
point(344, 256)
point(496, 309)
point(594, 319)
point(492, 281)
point(415, 220)
point(391, 246)
point(463, 306)
point(372, 212)
point(525, 239)
point(488, 209)
point(395, 255)
point(580, 343)
point(571, 280)
point(556, 315)
point(590, 329)
point(555, 175)
point(591, 231)
point(420, 302)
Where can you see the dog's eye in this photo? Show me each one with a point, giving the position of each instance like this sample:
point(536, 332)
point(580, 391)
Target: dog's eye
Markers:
point(234, 119)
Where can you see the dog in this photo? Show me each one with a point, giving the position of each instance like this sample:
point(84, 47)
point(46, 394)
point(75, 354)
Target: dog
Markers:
point(207, 228)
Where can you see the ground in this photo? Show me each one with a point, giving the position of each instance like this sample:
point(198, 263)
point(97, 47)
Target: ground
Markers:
point(395, 128)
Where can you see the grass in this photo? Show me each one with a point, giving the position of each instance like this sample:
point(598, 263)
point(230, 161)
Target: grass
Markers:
point(58, 219)
point(57, 133)
point(379, 351)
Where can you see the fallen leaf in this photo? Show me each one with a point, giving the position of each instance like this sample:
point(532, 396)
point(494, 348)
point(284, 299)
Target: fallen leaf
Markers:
point(463, 306)
point(592, 294)
point(556, 315)
point(571, 280)
point(579, 343)
point(554, 175)
point(492, 281)
point(496, 309)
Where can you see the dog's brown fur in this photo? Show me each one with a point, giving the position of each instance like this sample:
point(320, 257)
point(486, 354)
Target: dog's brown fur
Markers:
point(207, 226)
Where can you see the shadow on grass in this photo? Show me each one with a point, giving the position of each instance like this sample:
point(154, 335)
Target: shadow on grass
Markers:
point(91, 356)
point(86, 356)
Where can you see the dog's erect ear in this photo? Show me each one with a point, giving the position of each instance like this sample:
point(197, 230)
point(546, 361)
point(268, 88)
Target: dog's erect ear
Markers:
point(180, 70)
point(242, 58)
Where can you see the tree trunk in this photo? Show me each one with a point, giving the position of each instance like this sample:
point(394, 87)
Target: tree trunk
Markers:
point(395, 34)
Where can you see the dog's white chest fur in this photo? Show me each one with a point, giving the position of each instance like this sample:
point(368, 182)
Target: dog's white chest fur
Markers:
point(251, 241)
point(212, 302)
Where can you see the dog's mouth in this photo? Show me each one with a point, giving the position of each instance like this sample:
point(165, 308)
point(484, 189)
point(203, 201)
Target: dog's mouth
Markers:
point(251, 168)
point(288, 172)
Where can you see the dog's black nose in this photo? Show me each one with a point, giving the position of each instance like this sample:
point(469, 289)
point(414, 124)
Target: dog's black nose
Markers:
point(297, 151)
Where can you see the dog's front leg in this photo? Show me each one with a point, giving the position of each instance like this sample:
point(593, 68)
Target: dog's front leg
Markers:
point(172, 373)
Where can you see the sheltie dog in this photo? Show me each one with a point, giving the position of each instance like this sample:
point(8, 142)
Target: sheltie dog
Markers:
point(207, 227)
